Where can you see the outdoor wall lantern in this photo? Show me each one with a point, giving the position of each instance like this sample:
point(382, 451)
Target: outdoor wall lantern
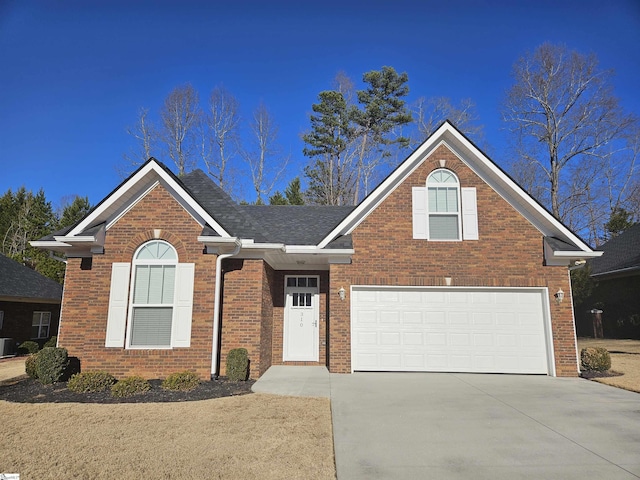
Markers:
point(559, 296)
point(342, 293)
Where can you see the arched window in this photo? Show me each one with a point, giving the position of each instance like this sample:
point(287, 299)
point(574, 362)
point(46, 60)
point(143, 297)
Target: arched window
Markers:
point(152, 299)
point(443, 205)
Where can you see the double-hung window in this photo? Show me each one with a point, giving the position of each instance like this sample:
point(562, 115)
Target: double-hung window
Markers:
point(40, 324)
point(154, 282)
point(442, 210)
point(151, 300)
point(443, 200)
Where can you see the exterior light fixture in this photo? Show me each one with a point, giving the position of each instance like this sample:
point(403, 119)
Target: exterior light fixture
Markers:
point(559, 296)
point(342, 293)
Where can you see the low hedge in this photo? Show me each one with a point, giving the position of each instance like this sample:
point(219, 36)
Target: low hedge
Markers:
point(29, 347)
point(30, 366)
point(183, 381)
point(90, 382)
point(130, 386)
point(595, 359)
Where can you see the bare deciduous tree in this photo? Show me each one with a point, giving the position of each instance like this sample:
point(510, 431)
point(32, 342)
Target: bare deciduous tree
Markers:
point(569, 130)
point(265, 160)
point(146, 137)
point(431, 112)
point(220, 134)
point(180, 115)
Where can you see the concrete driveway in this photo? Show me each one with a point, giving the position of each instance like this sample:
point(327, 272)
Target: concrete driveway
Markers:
point(454, 426)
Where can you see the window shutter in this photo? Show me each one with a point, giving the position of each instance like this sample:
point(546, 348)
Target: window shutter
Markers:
point(118, 299)
point(419, 207)
point(183, 306)
point(469, 214)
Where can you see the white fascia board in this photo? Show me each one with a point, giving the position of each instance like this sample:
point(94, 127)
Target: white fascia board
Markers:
point(565, 257)
point(217, 240)
point(47, 244)
point(497, 173)
point(574, 254)
point(486, 168)
point(74, 240)
point(293, 249)
point(149, 169)
point(263, 246)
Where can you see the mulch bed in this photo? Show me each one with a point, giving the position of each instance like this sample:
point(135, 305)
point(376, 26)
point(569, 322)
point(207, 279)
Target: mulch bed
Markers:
point(28, 390)
point(595, 374)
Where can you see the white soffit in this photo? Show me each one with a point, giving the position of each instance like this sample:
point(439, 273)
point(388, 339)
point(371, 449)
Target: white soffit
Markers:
point(137, 187)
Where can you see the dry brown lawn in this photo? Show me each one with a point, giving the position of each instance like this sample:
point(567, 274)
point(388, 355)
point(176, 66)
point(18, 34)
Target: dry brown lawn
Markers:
point(625, 359)
point(246, 437)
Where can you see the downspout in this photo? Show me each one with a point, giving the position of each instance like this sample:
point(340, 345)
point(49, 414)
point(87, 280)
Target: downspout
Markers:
point(216, 308)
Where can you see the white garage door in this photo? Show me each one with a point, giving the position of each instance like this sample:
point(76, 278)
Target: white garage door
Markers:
point(452, 329)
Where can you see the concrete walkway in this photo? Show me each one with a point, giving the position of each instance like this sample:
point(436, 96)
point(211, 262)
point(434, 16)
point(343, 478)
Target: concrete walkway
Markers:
point(11, 368)
point(294, 381)
point(471, 426)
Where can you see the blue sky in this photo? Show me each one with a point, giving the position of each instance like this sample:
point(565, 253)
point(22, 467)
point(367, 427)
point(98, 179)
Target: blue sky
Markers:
point(73, 74)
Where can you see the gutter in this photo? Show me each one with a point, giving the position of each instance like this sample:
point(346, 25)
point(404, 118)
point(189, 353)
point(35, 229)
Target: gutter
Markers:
point(216, 307)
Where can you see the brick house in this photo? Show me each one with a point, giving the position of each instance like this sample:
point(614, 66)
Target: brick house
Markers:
point(616, 278)
point(29, 304)
point(448, 265)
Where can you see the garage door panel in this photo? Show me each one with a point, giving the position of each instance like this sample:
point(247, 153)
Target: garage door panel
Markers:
point(482, 318)
point(436, 318)
point(472, 330)
point(411, 318)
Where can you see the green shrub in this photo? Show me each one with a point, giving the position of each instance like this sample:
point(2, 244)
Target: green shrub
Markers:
point(28, 347)
point(238, 365)
point(30, 365)
point(130, 386)
point(184, 381)
point(595, 359)
point(50, 364)
point(52, 342)
point(89, 382)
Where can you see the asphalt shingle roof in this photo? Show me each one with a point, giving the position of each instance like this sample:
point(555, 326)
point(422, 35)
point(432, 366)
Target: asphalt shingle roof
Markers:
point(297, 224)
point(621, 252)
point(16, 280)
point(221, 206)
point(288, 224)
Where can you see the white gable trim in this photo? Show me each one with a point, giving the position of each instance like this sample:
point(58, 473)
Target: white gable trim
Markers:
point(154, 173)
point(478, 162)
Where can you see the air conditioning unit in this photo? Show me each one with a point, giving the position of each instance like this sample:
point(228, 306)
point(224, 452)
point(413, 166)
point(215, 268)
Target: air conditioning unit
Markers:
point(7, 347)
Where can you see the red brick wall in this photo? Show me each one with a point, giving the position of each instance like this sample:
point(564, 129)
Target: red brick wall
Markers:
point(242, 312)
point(85, 306)
point(509, 253)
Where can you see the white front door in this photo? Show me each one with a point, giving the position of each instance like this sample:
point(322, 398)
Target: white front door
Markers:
point(301, 315)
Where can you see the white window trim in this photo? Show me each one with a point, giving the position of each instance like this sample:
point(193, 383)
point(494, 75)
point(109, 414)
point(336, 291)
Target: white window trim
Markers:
point(132, 287)
point(458, 213)
point(40, 315)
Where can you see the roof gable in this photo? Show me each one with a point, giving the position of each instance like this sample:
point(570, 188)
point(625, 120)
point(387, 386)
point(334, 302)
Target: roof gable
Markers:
point(482, 166)
point(129, 192)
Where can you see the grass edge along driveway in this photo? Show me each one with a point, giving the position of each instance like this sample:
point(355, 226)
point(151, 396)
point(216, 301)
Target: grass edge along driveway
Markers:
point(254, 436)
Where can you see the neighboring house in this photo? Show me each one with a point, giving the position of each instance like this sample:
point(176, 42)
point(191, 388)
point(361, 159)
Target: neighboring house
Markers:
point(448, 265)
point(617, 288)
point(29, 303)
